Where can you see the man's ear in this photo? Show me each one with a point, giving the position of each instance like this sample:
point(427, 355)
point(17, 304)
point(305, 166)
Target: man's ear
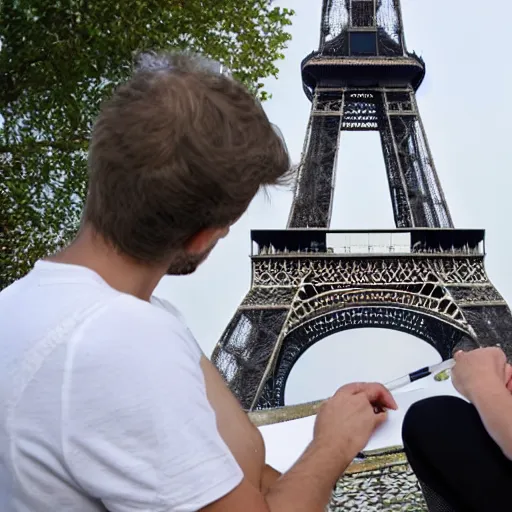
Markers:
point(204, 240)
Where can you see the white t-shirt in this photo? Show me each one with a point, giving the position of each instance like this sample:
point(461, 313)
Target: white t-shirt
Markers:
point(102, 402)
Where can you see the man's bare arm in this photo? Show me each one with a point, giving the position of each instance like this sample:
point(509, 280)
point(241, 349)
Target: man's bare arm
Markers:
point(307, 487)
point(268, 478)
point(343, 427)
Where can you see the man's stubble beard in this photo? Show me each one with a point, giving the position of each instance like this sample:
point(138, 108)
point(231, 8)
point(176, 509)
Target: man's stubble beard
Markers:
point(185, 264)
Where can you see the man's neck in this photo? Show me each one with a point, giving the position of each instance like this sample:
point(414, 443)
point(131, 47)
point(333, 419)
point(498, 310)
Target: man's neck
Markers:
point(120, 272)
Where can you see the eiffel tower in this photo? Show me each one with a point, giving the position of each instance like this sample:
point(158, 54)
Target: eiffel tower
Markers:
point(425, 277)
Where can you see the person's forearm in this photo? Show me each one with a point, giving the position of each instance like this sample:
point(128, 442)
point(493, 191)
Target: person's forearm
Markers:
point(269, 478)
point(495, 408)
point(308, 485)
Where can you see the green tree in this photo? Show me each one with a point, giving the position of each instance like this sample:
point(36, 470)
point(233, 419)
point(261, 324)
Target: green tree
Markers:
point(60, 58)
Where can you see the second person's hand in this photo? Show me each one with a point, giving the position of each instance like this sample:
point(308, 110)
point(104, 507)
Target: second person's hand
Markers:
point(478, 372)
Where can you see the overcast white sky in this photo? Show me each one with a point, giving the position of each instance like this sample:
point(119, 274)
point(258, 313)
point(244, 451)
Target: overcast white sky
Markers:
point(466, 109)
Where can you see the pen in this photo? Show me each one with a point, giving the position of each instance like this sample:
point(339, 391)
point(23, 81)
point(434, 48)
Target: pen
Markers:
point(295, 412)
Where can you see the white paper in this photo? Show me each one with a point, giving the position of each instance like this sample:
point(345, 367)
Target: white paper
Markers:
point(286, 441)
point(390, 433)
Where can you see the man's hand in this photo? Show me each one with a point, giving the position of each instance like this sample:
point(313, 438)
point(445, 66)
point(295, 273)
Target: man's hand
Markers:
point(481, 371)
point(343, 426)
point(346, 421)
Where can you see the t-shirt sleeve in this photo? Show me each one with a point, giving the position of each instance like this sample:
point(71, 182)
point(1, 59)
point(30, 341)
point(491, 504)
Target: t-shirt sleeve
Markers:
point(138, 431)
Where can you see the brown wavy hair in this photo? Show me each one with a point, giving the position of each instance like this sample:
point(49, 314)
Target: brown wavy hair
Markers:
point(178, 148)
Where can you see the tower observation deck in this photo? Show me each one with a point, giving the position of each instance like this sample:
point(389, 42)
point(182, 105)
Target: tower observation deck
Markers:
point(362, 44)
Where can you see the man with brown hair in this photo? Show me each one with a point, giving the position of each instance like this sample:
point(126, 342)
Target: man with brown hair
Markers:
point(106, 400)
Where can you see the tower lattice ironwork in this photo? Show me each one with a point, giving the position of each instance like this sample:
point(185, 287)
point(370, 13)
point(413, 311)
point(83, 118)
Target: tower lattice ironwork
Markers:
point(308, 281)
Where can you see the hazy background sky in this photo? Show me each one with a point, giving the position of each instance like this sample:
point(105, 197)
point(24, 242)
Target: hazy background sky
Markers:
point(466, 107)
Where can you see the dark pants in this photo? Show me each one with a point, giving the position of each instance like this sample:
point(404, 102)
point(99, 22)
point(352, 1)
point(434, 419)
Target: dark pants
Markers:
point(453, 455)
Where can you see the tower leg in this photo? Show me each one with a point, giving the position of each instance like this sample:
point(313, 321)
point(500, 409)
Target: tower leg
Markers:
point(243, 351)
point(484, 309)
point(492, 326)
point(416, 193)
point(312, 205)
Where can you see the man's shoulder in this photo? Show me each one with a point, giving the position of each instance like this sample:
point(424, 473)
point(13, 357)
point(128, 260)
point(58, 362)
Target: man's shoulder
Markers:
point(165, 305)
point(128, 356)
point(132, 326)
point(129, 312)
